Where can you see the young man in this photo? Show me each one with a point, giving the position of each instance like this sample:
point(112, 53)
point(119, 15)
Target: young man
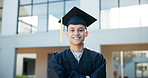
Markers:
point(77, 61)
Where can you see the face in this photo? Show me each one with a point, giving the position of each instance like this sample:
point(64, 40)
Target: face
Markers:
point(76, 34)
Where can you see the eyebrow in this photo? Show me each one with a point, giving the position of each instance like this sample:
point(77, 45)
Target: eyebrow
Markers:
point(78, 28)
point(82, 27)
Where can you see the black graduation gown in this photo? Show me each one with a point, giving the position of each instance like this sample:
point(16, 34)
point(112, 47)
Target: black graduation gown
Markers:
point(65, 65)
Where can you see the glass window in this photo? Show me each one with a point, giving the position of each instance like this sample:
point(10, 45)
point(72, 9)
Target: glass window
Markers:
point(144, 13)
point(144, 1)
point(134, 61)
point(40, 20)
point(55, 0)
point(109, 14)
point(39, 1)
point(123, 13)
point(71, 4)
point(129, 16)
point(129, 10)
point(1, 11)
point(1, 3)
point(25, 65)
point(128, 2)
point(25, 19)
point(22, 2)
point(108, 4)
point(56, 10)
point(25, 11)
point(141, 70)
point(42, 15)
point(1, 18)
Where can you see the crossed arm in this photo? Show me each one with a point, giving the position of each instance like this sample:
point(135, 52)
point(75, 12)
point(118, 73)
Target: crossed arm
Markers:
point(55, 70)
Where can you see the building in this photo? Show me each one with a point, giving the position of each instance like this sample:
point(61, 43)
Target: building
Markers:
point(28, 27)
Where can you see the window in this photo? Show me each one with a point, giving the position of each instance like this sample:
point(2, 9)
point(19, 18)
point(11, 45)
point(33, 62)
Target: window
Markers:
point(141, 70)
point(42, 15)
point(109, 8)
point(144, 12)
point(123, 13)
point(25, 65)
point(23, 2)
point(39, 1)
point(132, 61)
point(25, 20)
point(56, 10)
point(1, 11)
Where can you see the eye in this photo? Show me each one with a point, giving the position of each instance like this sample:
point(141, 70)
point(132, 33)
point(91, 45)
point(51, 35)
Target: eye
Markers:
point(72, 30)
point(81, 30)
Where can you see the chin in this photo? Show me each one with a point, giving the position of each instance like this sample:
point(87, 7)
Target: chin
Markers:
point(77, 43)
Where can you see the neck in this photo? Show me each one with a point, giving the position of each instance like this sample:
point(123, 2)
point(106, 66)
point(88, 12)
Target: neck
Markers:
point(77, 48)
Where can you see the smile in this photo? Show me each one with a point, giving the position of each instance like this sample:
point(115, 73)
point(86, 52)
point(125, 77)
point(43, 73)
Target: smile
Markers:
point(76, 38)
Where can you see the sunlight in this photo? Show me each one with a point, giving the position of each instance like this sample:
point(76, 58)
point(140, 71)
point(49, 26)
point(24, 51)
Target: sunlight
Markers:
point(32, 20)
point(125, 17)
point(53, 23)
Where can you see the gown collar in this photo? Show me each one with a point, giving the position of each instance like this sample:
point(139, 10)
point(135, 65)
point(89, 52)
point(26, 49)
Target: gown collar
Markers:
point(73, 55)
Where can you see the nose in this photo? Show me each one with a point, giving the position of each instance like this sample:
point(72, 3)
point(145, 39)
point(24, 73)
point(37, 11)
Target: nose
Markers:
point(76, 33)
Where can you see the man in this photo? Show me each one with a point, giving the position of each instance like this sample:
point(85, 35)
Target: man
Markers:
point(77, 62)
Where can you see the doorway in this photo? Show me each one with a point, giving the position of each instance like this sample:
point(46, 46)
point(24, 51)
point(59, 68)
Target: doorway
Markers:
point(122, 59)
point(130, 64)
point(141, 69)
point(37, 62)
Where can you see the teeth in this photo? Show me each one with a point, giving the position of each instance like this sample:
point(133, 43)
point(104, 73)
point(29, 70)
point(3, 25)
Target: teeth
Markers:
point(76, 38)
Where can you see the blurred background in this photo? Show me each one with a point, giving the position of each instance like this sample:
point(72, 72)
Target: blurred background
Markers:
point(29, 35)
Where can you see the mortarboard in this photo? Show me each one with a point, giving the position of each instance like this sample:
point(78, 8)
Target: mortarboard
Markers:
point(77, 16)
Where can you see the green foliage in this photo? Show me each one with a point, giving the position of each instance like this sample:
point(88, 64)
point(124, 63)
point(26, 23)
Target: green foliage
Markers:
point(18, 76)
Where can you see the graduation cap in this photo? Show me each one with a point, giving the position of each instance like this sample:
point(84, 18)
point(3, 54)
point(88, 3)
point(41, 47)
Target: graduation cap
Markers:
point(76, 16)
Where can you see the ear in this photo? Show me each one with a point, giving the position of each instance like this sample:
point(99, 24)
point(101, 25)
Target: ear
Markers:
point(86, 33)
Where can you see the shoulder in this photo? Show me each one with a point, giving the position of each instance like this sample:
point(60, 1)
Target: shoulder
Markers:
point(64, 52)
point(92, 51)
point(59, 56)
point(95, 53)
point(97, 57)
point(61, 53)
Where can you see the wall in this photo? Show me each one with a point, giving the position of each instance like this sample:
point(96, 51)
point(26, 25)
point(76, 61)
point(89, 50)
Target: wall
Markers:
point(9, 41)
point(41, 59)
point(0, 25)
point(9, 22)
point(7, 60)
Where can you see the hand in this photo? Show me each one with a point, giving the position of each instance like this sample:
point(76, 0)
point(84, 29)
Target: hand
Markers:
point(87, 77)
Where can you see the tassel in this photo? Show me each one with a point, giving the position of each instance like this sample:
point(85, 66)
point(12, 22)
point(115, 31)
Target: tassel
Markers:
point(61, 29)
